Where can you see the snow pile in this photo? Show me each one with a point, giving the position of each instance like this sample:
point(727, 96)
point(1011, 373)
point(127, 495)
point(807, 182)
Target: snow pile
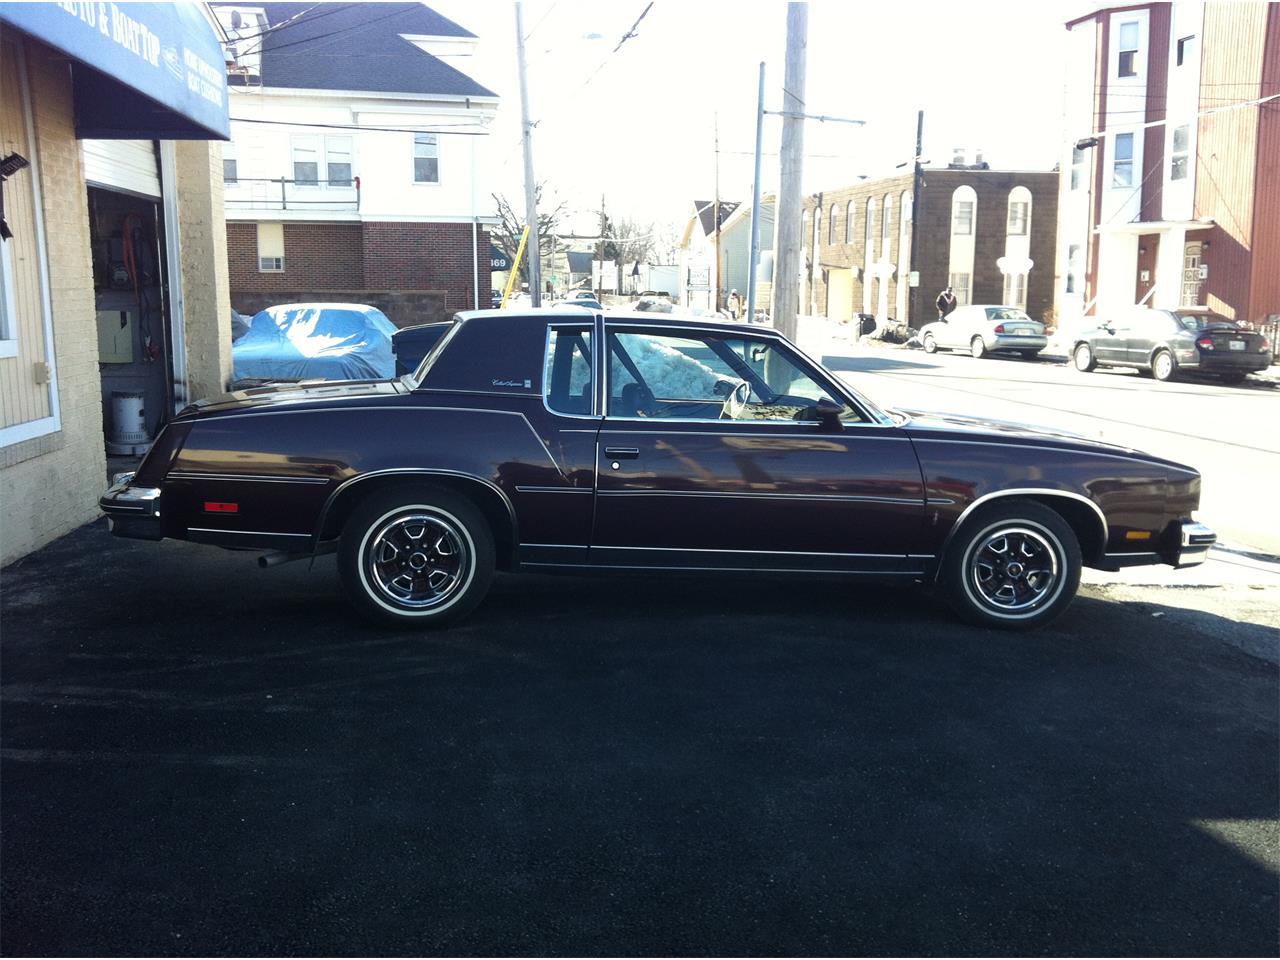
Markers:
point(670, 373)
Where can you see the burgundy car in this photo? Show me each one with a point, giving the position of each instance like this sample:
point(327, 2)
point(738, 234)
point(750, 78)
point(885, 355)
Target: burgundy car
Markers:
point(558, 440)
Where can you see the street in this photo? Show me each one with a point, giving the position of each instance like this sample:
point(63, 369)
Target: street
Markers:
point(200, 757)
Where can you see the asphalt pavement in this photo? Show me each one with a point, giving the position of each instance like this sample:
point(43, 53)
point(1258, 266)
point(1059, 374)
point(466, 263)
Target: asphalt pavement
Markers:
point(198, 757)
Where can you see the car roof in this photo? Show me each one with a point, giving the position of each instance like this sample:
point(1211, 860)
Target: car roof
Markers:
point(628, 317)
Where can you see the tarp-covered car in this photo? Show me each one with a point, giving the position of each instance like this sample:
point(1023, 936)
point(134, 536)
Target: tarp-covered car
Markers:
point(316, 341)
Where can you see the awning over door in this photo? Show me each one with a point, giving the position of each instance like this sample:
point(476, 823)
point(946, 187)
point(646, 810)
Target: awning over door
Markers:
point(143, 71)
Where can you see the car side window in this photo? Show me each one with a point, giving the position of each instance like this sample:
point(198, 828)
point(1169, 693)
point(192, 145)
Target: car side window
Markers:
point(710, 377)
point(567, 380)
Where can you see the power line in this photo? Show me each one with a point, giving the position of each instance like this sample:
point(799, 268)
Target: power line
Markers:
point(545, 14)
point(434, 128)
point(1132, 128)
point(337, 33)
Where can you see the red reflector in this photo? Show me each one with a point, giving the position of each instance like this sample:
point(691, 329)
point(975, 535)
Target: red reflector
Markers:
point(1000, 328)
point(212, 507)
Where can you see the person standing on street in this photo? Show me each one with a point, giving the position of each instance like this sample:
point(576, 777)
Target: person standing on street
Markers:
point(945, 303)
point(735, 304)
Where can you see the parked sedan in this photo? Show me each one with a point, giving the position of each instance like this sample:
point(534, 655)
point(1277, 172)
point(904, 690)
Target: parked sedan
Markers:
point(556, 440)
point(983, 329)
point(1165, 342)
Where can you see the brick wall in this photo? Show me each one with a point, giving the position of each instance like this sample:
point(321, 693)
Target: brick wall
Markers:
point(51, 484)
point(933, 236)
point(414, 272)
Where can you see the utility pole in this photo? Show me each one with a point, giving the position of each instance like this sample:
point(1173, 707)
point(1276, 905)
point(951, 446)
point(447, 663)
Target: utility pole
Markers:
point(716, 212)
point(530, 185)
point(600, 255)
point(914, 315)
point(786, 231)
point(753, 258)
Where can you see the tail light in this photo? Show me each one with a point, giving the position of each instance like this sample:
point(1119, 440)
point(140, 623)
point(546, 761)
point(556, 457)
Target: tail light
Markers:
point(1204, 343)
point(1000, 328)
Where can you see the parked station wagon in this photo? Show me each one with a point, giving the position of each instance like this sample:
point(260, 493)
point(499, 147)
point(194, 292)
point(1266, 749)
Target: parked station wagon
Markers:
point(558, 440)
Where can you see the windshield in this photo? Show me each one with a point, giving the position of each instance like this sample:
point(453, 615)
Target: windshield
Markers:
point(1005, 313)
point(1195, 322)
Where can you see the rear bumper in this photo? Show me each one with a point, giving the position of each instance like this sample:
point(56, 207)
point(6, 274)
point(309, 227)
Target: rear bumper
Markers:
point(131, 511)
point(1222, 361)
point(1006, 341)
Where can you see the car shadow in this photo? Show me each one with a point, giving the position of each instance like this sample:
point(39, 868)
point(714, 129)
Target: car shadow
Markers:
point(199, 753)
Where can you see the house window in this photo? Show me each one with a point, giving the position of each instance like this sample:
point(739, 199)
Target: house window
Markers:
point(831, 226)
point(1180, 152)
point(306, 161)
point(426, 158)
point(1077, 167)
point(271, 248)
point(8, 311)
point(1015, 290)
point(337, 159)
point(1129, 49)
point(1073, 268)
point(1186, 49)
point(1122, 162)
point(817, 232)
point(886, 221)
point(848, 222)
point(962, 218)
point(229, 173)
point(959, 283)
point(1018, 218)
point(869, 232)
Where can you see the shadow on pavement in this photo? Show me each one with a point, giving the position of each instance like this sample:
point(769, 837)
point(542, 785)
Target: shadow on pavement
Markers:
point(868, 364)
point(200, 757)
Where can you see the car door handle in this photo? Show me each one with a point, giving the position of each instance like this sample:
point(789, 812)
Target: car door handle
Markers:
point(622, 453)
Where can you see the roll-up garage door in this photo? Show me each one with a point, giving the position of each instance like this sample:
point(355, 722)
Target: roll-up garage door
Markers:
point(128, 165)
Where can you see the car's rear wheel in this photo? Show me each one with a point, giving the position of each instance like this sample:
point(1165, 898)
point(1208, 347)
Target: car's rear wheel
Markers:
point(416, 556)
point(1014, 565)
point(1162, 366)
point(930, 344)
point(1082, 358)
point(977, 349)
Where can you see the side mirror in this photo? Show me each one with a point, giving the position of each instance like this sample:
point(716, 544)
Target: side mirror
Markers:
point(828, 413)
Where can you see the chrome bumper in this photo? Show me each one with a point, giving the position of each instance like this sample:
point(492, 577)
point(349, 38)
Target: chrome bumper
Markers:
point(132, 511)
point(1196, 541)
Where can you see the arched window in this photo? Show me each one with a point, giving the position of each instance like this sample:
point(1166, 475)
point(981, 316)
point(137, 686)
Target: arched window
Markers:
point(964, 204)
point(904, 218)
point(804, 223)
point(817, 231)
point(848, 222)
point(869, 233)
point(886, 219)
point(1019, 219)
point(831, 226)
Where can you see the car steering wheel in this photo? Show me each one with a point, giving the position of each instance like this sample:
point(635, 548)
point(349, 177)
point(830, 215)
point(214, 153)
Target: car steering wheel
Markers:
point(736, 402)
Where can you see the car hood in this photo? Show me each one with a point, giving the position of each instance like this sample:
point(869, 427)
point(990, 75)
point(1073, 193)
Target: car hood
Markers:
point(948, 426)
point(315, 393)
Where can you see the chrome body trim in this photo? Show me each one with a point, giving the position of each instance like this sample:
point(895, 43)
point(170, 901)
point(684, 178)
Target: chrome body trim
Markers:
point(871, 574)
point(248, 533)
point(125, 499)
point(1020, 492)
point(824, 497)
point(529, 489)
point(775, 553)
point(546, 355)
point(1068, 450)
point(1197, 539)
point(254, 478)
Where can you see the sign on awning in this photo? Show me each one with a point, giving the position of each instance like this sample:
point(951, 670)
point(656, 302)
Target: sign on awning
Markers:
point(497, 259)
point(143, 71)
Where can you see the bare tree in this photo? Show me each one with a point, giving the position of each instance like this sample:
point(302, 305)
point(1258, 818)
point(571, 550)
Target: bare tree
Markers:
point(507, 233)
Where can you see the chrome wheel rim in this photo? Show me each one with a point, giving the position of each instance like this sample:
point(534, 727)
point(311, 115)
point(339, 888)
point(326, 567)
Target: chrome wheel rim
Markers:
point(1164, 366)
point(1082, 357)
point(1014, 570)
point(417, 560)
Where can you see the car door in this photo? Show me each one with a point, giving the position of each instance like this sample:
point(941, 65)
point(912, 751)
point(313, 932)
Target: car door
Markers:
point(711, 456)
point(1147, 329)
point(953, 329)
point(1111, 344)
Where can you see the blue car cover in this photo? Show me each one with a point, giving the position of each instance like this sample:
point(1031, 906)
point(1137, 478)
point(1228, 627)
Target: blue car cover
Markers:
point(316, 341)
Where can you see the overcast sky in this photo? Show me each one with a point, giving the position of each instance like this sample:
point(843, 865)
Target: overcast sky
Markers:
point(639, 125)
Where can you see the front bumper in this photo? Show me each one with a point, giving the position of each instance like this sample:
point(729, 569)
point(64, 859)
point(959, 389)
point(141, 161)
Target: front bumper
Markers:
point(1196, 539)
point(131, 511)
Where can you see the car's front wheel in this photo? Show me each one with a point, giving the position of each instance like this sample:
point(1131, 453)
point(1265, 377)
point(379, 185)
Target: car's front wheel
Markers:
point(1082, 358)
point(930, 344)
point(1015, 565)
point(416, 556)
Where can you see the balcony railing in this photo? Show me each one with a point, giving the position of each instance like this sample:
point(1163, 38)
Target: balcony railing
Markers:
point(262, 193)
